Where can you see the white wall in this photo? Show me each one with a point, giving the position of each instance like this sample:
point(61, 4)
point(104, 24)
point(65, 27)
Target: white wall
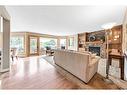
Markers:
point(1, 40)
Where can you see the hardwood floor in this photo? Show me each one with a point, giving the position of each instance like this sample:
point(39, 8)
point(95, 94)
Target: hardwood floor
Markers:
point(36, 73)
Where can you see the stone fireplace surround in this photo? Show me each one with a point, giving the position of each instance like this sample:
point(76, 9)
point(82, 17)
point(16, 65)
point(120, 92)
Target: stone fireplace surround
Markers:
point(95, 49)
point(102, 48)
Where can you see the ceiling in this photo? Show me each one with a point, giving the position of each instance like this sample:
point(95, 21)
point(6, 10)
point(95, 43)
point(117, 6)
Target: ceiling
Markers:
point(63, 20)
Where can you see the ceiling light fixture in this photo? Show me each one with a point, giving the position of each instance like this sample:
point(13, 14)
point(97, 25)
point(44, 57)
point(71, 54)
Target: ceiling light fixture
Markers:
point(108, 25)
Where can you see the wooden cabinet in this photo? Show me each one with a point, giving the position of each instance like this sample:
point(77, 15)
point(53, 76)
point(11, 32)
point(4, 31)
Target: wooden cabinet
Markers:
point(115, 35)
point(95, 36)
point(81, 41)
point(115, 38)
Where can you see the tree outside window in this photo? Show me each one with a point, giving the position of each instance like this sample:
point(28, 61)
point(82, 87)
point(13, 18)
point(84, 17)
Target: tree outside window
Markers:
point(48, 42)
point(17, 42)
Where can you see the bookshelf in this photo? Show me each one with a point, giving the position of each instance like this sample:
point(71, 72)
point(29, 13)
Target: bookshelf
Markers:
point(115, 38)
point(81, 41)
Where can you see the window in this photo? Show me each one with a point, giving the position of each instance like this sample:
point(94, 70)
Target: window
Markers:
point(48, 42)
point(17, 42)
point(33, 45)
point(71, 42)
point(63, 43)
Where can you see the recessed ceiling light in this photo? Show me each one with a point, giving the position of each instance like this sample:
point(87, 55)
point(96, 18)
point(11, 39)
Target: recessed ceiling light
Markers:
point(108, 25)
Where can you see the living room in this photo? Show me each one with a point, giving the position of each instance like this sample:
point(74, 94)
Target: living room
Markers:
point(68, 50)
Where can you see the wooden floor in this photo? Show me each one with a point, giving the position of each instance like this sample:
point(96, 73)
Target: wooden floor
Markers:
point(36, 73)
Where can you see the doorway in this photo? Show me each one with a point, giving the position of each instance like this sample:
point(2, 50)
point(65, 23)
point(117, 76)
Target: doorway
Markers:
point(33, 45)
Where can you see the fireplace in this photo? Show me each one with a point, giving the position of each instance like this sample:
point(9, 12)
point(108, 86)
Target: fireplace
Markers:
point(95, 49)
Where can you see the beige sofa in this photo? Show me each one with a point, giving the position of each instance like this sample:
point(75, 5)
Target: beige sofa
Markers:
point(82, 65)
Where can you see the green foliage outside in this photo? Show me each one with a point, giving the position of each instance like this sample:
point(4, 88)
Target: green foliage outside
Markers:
point(50, 43)
point(17, 42)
